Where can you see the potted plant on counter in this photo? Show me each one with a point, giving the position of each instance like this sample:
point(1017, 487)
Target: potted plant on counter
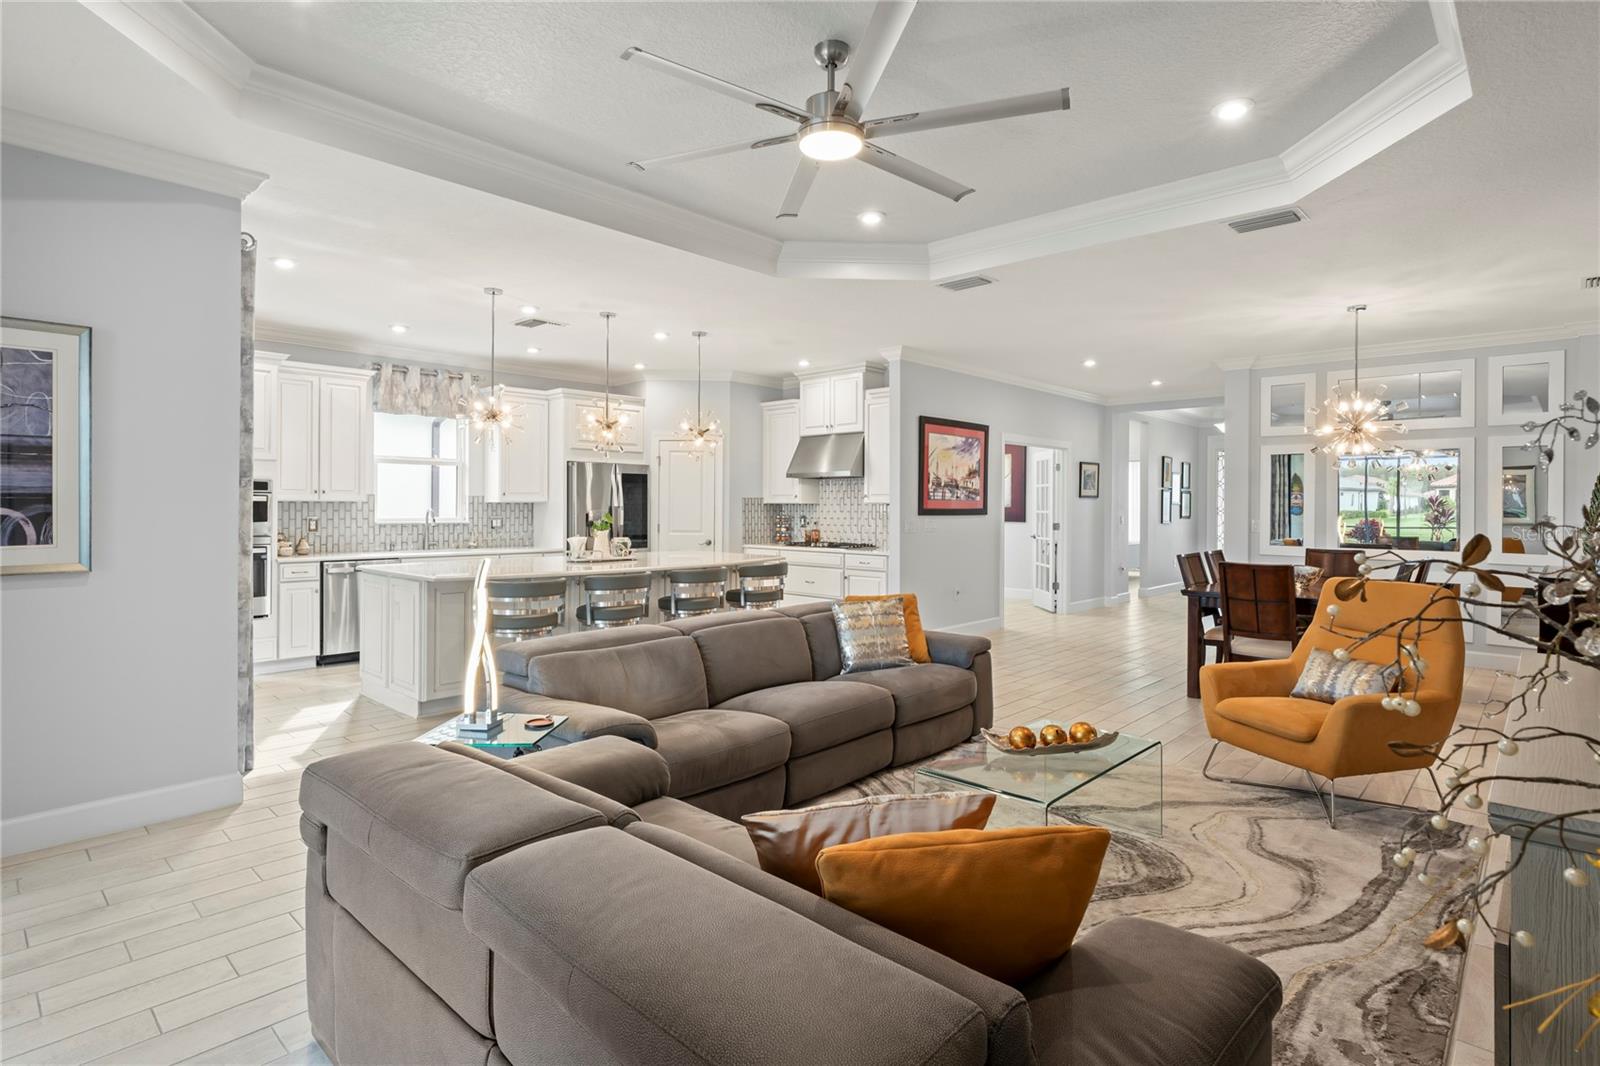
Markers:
point(601, 529)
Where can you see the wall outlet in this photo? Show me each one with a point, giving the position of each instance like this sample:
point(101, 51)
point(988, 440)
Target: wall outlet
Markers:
point(496, 523)
point(311, 525)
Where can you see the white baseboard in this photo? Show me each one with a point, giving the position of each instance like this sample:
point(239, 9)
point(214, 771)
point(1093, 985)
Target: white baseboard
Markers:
point(284, 666)
point(1159, 590)
point(80, 821)
point(1019, 594)
point(1498, 659)
point(1116, 599)
point(981, 626)
point(1089, 605)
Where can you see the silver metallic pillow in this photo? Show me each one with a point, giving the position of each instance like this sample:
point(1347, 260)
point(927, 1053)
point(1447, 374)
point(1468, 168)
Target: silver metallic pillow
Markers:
point(872, 634)
point(1328, 680)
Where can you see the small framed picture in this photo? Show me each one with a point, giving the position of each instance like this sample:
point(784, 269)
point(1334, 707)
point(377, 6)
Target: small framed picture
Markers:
point(1166, 471)
point(1185, 503)
point(1183, 478)
point(1089, 480)
point(1166, 506)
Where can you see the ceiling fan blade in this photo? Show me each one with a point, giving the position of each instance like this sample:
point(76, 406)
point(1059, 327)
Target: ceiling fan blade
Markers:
point(805, 172)
point(869, 58)
point(915, 173)
point(965, 114)
point(707, 153)
point(717, 85)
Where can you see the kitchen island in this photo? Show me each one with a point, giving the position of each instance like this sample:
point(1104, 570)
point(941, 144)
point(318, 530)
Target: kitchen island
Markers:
point(416, 617)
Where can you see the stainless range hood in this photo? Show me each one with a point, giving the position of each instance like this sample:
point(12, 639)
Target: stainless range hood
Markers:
point(829, 455)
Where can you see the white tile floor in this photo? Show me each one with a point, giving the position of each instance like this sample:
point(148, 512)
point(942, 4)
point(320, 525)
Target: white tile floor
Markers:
point(183, 941)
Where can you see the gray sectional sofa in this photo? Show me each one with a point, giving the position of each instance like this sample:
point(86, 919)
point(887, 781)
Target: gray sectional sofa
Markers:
point(748, 708)
point(564, 909)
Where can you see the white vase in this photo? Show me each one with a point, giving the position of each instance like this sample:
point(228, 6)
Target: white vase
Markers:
point(602, 542)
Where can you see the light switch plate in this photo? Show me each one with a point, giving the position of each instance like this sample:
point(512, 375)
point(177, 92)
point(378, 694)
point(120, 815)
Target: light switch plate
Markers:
point(496, 523)
point(311, 525)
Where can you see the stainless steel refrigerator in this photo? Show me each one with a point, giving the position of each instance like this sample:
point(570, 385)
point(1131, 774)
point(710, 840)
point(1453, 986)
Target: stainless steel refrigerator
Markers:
point(623, 489)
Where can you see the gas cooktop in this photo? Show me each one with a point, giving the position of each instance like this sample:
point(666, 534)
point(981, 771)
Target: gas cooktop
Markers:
point(847, 544)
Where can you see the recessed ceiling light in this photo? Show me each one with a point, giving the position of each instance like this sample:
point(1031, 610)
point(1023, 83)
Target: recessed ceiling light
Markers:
point(660, 334)
point(1155, 382)
point(638, 366)
point(870, 218)
point(283, 262)
point(529, 309)
point(804, 363)
point(398, 327)
point(1088, 362)
point(533, 351)
point(1232, 110)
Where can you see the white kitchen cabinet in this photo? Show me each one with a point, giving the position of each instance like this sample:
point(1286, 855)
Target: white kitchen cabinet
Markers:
point(524, 455)
point(847, 393)
point(876, 486)
point(324, 424)
point(299, 614)
point(264, 407)
point(630, 428)
point(836, 402)
point(865, 583)
point(372, 627)
point(816, 406)
point(780, 435)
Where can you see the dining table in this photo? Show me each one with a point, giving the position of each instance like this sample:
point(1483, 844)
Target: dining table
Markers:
point(1208, 597)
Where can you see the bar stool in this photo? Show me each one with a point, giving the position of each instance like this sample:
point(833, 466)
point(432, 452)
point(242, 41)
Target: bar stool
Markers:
point(523, 608)
point(692, 592)
point(614, 600)
point(759, 585)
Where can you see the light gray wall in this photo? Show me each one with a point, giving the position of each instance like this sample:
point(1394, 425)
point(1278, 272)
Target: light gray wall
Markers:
point(1160, 544)
point(955, 564)
point(118, 686)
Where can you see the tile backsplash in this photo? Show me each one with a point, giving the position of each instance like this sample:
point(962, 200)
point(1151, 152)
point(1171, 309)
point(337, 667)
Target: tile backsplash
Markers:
point(349, 527)
point(840, 512)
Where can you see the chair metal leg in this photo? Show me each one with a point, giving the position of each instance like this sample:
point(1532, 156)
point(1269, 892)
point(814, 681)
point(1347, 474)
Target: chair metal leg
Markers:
point(1326, 800)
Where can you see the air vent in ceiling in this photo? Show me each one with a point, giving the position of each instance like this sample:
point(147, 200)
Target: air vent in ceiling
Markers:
point(535, 323)
point(1592, 283)
point(1287, 216)
point(971, 281)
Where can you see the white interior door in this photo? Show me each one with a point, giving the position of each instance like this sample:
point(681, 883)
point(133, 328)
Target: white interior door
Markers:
point(688, 488)
point(1046, 530)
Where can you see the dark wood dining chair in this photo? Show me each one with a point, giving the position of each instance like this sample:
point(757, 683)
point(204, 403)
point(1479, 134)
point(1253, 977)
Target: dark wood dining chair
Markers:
point(1192, 569)
point(1214, 565)
point(1334, 562)
point(1258, 612)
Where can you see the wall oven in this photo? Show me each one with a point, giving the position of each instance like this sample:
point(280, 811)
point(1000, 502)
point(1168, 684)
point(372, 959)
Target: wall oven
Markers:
point(261, 511)
point(261, 579)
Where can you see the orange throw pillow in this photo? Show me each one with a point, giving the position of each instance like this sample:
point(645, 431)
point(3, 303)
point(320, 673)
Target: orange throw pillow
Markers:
point(1006, 902)
point(915, 637)
point(787, 842)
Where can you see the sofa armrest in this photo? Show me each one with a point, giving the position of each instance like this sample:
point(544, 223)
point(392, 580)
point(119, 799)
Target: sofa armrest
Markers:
point(633, 943)
point(618, 769)
point(955, 649)
point(585, 721)
point(1225, 681)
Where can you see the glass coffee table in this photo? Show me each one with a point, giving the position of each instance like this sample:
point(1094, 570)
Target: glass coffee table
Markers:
point(517, 738)
point(1118, 785)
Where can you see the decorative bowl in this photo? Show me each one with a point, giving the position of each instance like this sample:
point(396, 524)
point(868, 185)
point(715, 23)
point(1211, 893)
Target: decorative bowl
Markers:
point(998, 741)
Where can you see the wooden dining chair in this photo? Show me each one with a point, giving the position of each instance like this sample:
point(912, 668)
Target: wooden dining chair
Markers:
point(1214, 562)
point(1258, 612)
point(1192, 569)
point(1334, 562)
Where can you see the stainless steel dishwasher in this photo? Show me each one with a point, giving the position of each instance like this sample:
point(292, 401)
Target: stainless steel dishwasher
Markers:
point(341, 611)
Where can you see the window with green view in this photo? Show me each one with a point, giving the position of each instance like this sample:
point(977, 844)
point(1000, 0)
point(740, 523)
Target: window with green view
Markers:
point(1401, 501)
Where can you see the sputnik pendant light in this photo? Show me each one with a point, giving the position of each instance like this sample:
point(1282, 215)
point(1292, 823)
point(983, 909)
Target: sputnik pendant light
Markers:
point(487, 409)
point(1354, 425)
point(700, 426)
point(607, 428)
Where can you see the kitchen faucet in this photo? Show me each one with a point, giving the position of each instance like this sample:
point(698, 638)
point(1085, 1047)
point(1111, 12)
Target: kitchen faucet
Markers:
point(428, 519)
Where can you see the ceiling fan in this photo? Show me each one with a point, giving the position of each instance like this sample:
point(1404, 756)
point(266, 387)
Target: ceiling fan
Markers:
point(831, 123)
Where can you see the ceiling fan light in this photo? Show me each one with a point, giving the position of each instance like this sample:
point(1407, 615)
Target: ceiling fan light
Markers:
point(831, 139)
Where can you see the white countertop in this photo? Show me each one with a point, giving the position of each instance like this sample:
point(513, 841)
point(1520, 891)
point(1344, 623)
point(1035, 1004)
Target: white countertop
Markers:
point(434, 553)
point(439, 570)
point(806, 548)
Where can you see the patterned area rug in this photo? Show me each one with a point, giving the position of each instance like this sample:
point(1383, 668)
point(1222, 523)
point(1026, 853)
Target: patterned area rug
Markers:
point(1261, 870)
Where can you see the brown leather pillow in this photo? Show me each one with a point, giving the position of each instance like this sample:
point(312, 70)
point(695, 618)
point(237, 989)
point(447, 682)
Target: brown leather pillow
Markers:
point(1006, 902)
point(915, 637)
point(787, 842)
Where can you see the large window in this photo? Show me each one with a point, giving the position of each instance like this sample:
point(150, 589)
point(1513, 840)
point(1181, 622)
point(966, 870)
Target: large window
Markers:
point(421, 468)
point(1402, 501)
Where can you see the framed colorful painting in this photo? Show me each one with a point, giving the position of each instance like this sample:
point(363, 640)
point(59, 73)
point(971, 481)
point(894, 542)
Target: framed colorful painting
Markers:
point(952, 467)
point(44, 447)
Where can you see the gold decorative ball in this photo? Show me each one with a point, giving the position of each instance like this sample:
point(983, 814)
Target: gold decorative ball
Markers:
point(1021, 737)
point(1082, 732)
point(1052, 734)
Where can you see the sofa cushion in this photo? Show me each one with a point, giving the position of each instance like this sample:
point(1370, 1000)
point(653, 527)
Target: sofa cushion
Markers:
point(615, 813)
point(620, 770)
point(514, 657)
point(755, 654)
point(710, 748)
point(1093, 1007)
point(820, 716)
point(727, 837)
point(652, 679)
point(1282, 716)
point(920, 692)
point(822, 637)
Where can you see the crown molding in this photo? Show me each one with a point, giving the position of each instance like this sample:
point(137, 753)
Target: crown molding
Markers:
point(40, 134)
point(1427, 87)
point(1426, 346)
point(718, 377)
point(922, 358)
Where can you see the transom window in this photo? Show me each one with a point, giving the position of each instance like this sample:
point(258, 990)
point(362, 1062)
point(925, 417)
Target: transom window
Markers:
point(1401, 501)
point(421, 468)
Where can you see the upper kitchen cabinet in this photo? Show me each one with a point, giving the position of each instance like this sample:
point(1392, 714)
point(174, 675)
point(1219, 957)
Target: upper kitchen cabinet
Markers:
point(836, 401)
point(324, 424)
point(876, 487)
point(780, 435)
point(518, 463)
point(264, 407)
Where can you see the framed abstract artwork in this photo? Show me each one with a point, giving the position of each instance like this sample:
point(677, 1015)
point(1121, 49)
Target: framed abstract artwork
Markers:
point(44, 447)
point(1016, 483)
point(1183, 478)
point(1166, 471)
point(952, 467)
point(1185, 503)
point(1089, 480)
point(1166, 506)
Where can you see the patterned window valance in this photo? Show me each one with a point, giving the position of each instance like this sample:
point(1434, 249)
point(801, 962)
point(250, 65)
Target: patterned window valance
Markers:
point(398, 389)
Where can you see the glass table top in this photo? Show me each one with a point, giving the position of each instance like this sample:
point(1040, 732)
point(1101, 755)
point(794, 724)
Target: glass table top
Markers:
point(516, 734)
point(1041, 779)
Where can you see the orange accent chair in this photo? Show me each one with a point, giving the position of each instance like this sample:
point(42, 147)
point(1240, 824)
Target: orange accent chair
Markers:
point(1247, 704)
